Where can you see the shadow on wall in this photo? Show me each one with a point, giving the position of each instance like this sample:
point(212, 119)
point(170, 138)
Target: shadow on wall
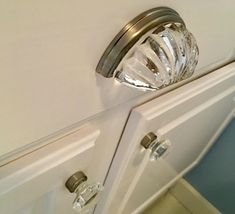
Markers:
point(214, 177)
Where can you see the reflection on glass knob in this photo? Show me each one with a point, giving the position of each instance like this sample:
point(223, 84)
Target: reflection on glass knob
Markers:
point(158, 147)
point(151, 52)
point(86, 194)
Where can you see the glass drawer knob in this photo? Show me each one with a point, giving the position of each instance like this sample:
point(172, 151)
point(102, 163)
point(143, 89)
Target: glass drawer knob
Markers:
point(86, 194)
point(158, 147)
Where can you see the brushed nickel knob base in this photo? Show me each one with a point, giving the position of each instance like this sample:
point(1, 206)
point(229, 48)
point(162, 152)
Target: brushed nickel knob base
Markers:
point(75, 180)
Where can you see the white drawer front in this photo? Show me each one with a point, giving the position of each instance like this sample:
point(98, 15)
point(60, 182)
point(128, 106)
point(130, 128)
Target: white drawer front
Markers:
point(36, 183)
point(191, 117)
point(50, 49)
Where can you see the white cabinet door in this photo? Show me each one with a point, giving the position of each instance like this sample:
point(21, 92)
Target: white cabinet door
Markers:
point(190, 117)
point(35, 184)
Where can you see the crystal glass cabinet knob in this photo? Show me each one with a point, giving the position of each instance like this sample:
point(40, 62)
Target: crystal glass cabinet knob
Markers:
point(86, 194)
point(159, 148)
point(151, 52)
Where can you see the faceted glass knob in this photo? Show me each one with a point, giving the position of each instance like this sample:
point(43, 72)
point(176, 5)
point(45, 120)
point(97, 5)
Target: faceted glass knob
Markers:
point(158, 147)
point(168, 55)
point(86, 194)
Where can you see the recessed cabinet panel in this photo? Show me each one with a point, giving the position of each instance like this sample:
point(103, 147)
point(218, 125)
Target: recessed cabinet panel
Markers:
point(190, 118)
point(36, 182)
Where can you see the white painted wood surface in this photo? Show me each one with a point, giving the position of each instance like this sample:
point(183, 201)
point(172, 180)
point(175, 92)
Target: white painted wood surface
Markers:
point(190, 134)
point(190, 117)
point(49, 51)
point(110, 125)
point(49, 89)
